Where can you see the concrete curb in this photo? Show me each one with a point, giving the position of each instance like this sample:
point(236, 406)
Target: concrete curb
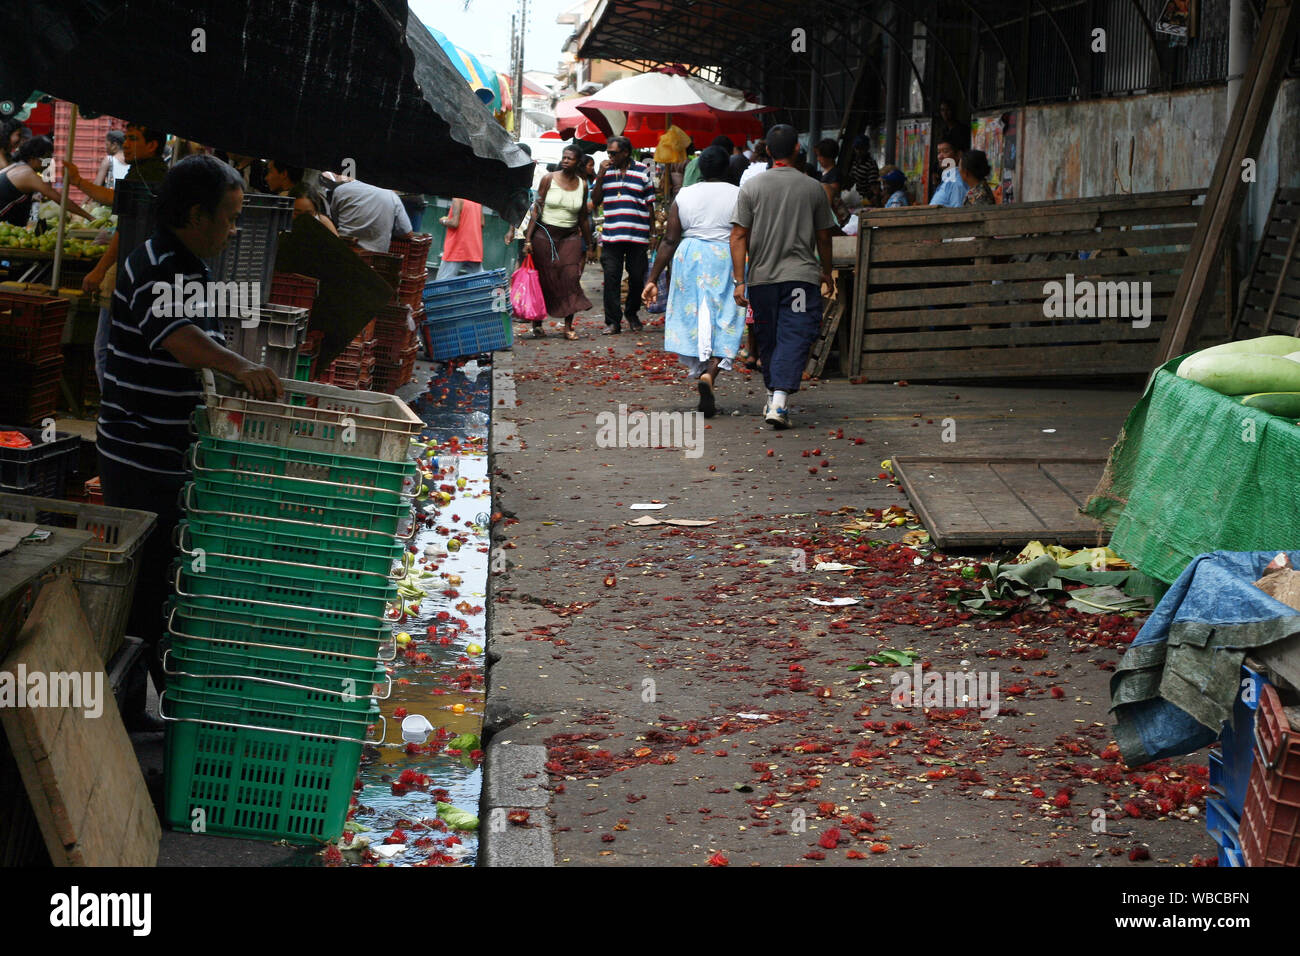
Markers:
point(513, 774)
point(513, 778)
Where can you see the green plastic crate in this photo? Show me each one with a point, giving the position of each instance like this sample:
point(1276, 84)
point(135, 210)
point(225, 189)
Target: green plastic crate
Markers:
point(266, 632)
point(307, 700)
point(293, 489)
point(271, 779)
point(367, 541)
point(228, 562)
point(255, 542)
point(282, 592)
point(323, 672)
point(327, 470)
point(381, 521)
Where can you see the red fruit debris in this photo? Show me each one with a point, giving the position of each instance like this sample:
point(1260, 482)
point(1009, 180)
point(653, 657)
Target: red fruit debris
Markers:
point(770, 452)
point(397, 836)
point(826, 809)
point(814, 855)
point(607, 838)
point(1062, 798)
point(519, 817)
point(399, 713)
point(880, 848)
point(812, 471)
point(718, 860)
point(830, 839)
point(856, 855)
point(332, 856)
point(1139, 853)
point(1058, 693)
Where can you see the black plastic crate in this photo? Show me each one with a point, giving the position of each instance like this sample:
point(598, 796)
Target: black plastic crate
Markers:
point(41, 470)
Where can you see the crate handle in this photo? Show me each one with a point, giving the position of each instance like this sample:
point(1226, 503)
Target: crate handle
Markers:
point(275, 730)
point(192, 460)
point(276, 683)
point(181, 536)
point(171, 627)
point(185, 501)
point(1261, 748)
point(291, 607)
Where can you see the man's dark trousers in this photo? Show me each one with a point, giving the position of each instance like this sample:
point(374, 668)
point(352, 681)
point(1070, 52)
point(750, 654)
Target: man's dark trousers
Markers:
point(614, 257)
point(787, 320)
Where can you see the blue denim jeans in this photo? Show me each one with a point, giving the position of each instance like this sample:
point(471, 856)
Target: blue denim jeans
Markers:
point(787, 320)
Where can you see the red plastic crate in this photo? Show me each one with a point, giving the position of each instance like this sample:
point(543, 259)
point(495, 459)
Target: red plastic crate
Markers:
point(1270, 829)
point(387, 265)
point(292, 288)
point(1277, 748)
point(414, 253)
point(31, 391)
point(94, 493)
point(31, 326)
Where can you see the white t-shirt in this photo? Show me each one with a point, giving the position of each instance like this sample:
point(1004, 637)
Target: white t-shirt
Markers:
point(705, 210)
point(752, 170)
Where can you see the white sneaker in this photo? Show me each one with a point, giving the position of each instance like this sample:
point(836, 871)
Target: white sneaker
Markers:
point(778, 418)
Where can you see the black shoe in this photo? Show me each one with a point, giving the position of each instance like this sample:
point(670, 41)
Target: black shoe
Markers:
point(707, 404)
point(635, 325)
point(610, 330)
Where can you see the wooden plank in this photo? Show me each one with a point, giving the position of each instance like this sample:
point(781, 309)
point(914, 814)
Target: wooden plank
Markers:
point(983, 502)
point(917, 251)
point(831, 317)
point(1043, 269)
point(1252, 108)
point(861, 289)
point(925, 318)
point(844, 251)
point(1107, 331)
point(1103, 358)
point(895, 218)
point(80, 771)
point(987, 292)
point(1072, 222)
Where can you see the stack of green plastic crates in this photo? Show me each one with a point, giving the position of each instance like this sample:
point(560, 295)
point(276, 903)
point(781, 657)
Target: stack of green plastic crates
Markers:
point(277, 629)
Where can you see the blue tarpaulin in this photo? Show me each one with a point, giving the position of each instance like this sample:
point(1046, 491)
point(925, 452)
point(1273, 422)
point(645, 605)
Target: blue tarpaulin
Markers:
point(1176, 685)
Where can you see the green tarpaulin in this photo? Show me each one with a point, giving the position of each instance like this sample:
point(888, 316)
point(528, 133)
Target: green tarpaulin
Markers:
point(1192, 472)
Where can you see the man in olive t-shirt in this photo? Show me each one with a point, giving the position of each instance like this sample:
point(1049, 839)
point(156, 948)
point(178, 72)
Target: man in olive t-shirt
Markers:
point(783, 224)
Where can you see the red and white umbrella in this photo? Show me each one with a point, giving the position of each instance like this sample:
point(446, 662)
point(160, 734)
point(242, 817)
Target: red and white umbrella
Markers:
point(666, 93)
point(649, 103)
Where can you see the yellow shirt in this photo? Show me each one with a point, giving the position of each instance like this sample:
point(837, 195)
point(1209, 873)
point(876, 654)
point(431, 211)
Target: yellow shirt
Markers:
point(562, 206)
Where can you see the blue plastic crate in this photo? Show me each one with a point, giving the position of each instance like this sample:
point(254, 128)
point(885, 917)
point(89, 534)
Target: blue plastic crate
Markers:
point(462, 335)
point(1224, 826)
point(476, 280)
point(468, 300)
point(1230, 772)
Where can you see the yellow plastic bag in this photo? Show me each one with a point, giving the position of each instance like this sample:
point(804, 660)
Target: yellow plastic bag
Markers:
point(672, 145)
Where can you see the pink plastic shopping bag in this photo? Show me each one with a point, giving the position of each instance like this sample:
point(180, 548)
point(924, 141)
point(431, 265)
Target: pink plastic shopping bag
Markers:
point(526, 292)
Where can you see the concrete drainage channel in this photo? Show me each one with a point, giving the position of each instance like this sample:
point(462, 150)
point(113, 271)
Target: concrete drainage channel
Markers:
point(514, 830)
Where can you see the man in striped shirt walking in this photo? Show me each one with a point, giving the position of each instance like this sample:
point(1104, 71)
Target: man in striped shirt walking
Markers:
point(624, 188)
point(158, 340)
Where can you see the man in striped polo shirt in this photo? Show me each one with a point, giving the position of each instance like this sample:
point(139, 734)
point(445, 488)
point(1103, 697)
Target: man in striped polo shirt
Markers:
point(155, 346)
point(624, 188)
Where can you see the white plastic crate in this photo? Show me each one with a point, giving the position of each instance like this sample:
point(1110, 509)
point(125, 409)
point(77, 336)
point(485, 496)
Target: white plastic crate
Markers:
point(336, 421)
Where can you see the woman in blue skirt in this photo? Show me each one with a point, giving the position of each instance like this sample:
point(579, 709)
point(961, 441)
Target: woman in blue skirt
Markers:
point(703, 324)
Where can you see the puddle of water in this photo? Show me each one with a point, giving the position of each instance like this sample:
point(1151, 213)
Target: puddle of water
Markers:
point(434, 673)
